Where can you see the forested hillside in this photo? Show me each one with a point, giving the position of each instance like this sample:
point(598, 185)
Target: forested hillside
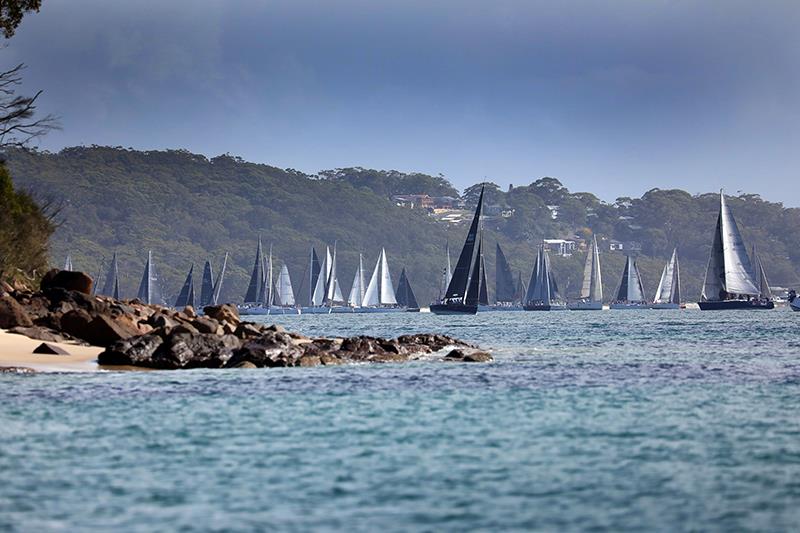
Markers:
point(186, 207)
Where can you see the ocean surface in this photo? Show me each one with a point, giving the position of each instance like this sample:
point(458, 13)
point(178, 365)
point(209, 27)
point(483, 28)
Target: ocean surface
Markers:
point(615, 420)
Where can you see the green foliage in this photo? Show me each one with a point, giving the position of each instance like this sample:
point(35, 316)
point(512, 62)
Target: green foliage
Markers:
point(186, 208)
point(24, 233)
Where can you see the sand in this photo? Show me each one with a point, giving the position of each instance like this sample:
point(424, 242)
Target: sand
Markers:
point(17, 351)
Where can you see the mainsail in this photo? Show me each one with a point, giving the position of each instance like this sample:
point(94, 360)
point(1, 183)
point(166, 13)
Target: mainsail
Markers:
point(284, 295)
point(256, 278)
point(380, 290)
point(321, 284)
point(333, 292)
point(186, 296)
point(592, 288)
point(630, 287)
point(483, 293)
point(669, 287)
point(761, 277)
point(504, 289)
point(542, 289)
point(111, 285)
point(405, 295)
point(461, 280)
point(149, 289)
point(207, 286)
point(474, 288)
point(729, 272)
point(356, 297)
point(68, 263)
point(220, 277)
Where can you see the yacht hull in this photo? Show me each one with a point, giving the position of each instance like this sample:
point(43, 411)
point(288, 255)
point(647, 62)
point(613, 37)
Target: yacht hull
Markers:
point(665, 306)
point(486, 308)
point(259, 310)
point(545, 307)
point(585, 306)
point(454, 309)
point(630, 305)
point(724, 305)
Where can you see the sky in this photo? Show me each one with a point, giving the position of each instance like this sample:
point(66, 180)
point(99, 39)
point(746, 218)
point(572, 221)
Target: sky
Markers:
point(612, 97)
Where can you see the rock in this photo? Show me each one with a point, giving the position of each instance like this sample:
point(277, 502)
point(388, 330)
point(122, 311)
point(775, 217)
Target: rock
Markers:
point(269, 350)
point(39, 333)
point(207, 325)
point(100, 330)
point(65, 279)
point(244, 364)
point(204, 350)
point(308, 360)
point(360, 348)
point(468, 356)
point(5, 287)
point(189, 311)
point(329, 359)
point(136, 351)
point(50, 349)
point(388, 358)
point(223, 313)
point(12, 314)
point(184, 328)
point(161, 320)
point(277, 328)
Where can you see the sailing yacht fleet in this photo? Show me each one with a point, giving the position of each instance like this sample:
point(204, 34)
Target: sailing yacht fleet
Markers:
point(733, 280)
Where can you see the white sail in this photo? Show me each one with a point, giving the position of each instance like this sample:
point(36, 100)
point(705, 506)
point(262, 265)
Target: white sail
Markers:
point(586, 288)
point(592, 288)
point(356, 296)
point(380, 290)
point(322, 280)
point(284, 295)
point(635, 287)
point(220, 277)
point(333, 292)
point(668, 284)
point(729, 270)
point(761, 277)
point(68, 263)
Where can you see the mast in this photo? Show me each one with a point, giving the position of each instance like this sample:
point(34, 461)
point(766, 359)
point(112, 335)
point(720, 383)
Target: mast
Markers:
point(256, 278)
point(543, 288)
point(483, 298)
point(356, 297)
point(668, 290)
point(449, 268)
point(333, 292)
point(474, 287)
point(460, 283)
point(321, 284)
point(218, 283)
point(268, 283)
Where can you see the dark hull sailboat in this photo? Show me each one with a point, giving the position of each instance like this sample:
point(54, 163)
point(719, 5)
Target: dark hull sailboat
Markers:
point(464, 291)
point(543, 292)
point(730, 281)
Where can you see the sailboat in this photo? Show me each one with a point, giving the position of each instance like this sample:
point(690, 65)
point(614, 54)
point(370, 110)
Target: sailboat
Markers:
point(668, 293)
point(68, 263)
point(592, 288)
point(111, 285)
point(630, 294)
point(327, 294)
point(505, 288)
point(254, 288)
point(270, 298)
point(447, 273)
point(186, 296)
point(730, 282)
point(461, 296)
point(210, 288)
point(379, 297)
point(405, 294)
point(149, 288)
point(543, 292)
point(284, 295)
point(762, 284)
point(357, 290)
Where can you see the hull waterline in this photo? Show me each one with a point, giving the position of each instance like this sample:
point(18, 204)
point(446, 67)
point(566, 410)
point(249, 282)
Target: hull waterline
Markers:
point(585, 306)
point(454, 309)
point(724, 305)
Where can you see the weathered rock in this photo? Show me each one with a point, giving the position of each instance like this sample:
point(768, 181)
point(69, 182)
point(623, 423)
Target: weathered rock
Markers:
point(244, 364)
point(50, 349)
point(388, 358)
point(308, 360)
point(189, 311)
point(330, 359)
point(16, 370)
point(269, 350)
point(468, 356)
point(100, 330)
point(65, 279)
point(39, 333)
point(136, 351)
point(223, 313)
point(204, 350)
point(161, 320)
point(12, 314)
point(207, 325)
point(76, 323)
point(360, 348)
point(184, 328)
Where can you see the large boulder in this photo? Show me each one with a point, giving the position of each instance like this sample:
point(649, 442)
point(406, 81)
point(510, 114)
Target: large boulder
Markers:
point(204, 350)
point(269, 350)
point(39, 333)
point(12, 314)
point(98, 330)
point(223, 313)
point(136, 351)
point(65, 279)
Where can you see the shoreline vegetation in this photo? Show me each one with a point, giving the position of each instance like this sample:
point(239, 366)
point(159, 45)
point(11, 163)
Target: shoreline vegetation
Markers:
point(100, 333)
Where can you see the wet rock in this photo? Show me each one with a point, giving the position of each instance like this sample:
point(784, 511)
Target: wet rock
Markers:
point(12, 314)
point(222, 313)
point(136, 351)
point(50, 349)
point(388, 358)
point(39, 333)
point(467, 356)
point(330, 359)
point(308, 360)
point(204, 350)
point(244, 364)
point(269, 350)
point(65, 279)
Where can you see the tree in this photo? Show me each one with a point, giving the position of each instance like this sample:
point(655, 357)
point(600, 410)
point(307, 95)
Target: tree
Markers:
point(492, 194)
point(12, 11)
point(18, 124)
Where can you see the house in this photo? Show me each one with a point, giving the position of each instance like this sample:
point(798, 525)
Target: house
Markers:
point(413, 201)
point(561, 247)
point(626, 246)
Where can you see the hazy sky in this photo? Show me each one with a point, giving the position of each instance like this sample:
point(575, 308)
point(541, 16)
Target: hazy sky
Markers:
point(614, 97)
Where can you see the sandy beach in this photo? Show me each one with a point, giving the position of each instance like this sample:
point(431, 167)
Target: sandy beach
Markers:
point(17, 351)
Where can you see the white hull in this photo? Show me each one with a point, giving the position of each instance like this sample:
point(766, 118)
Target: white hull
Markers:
point(630, 305)
point(260, 310)
point(486, 308)
point(585, 306)
point(315, 310)
point(369, 310)
point(665, 306)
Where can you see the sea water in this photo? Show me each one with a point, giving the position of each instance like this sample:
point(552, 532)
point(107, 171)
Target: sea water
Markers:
point(617, 420)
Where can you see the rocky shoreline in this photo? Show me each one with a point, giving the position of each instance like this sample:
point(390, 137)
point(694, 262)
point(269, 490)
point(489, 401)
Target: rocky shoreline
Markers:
point(150, 336)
